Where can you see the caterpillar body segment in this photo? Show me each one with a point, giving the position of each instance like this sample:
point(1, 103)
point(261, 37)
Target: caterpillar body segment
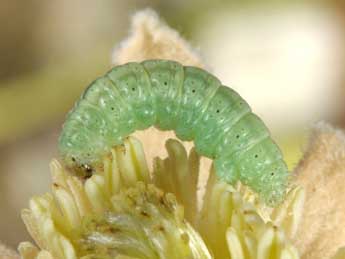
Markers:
point(198, 89)
point(224, 110)
point(166, 89)
point(188, 100)
point(134, 85)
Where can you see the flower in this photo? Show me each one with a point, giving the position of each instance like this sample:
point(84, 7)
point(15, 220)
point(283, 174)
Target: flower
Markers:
point(321, 173)
point(151, 38)
point(124, 211)
point(6, 253)
point(127, 211)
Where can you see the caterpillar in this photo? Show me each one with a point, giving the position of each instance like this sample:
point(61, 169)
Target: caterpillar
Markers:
point(186, 99)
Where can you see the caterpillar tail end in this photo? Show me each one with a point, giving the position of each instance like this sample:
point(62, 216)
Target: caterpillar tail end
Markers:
point(271, 188)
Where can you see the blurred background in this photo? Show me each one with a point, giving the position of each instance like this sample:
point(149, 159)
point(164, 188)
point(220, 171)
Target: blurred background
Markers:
point(286, 59)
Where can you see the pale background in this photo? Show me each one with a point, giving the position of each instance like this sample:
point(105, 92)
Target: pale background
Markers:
point(287, 60)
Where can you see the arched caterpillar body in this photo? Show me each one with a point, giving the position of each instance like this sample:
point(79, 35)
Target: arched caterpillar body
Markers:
point(188, 100)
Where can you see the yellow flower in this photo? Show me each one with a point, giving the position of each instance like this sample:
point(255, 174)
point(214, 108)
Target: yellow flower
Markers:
point(125, 211)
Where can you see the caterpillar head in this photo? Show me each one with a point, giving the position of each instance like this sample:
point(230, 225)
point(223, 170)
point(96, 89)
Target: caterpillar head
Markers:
point(81, 170)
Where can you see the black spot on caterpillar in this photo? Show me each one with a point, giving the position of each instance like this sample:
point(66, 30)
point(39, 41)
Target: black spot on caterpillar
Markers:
point(188, 100)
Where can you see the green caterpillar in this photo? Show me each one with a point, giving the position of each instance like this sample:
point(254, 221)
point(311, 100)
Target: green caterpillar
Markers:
point(188, 100)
